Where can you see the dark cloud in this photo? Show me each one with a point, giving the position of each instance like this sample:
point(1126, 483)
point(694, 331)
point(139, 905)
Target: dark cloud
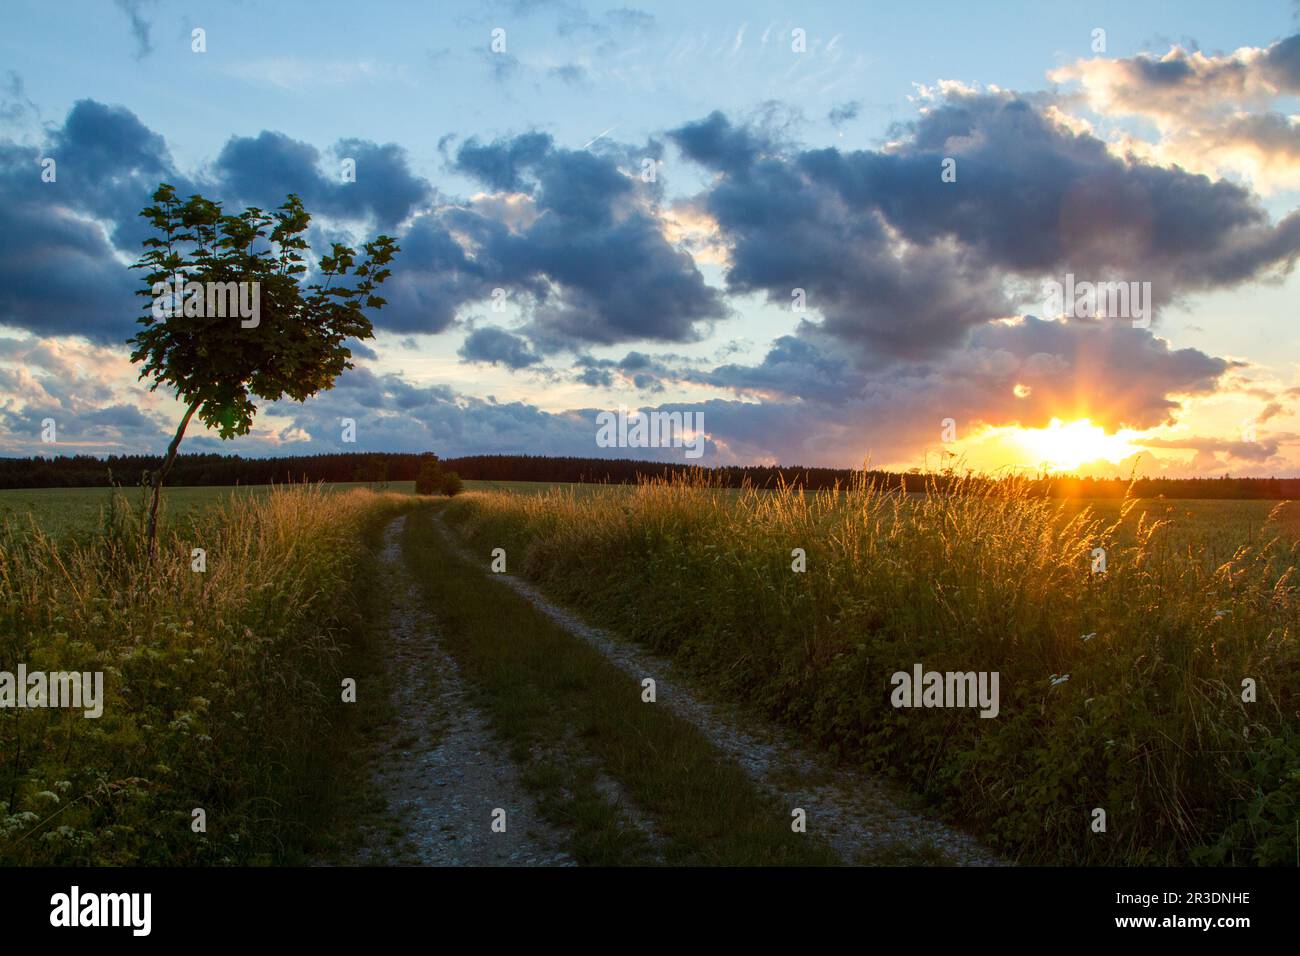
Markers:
point(645, 373)
point(59, 275)
point(1031, 199)
point(817, 407)
point(595, 262)
point(501, 165)
point(496, 346)
point(794, 368)
point(1283, 63)
point(716, 143)
point(262, 170)
point(109, 164)
point(62, 274)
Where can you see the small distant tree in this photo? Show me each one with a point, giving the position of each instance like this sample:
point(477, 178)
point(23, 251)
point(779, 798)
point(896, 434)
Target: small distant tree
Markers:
point(429, 479)
point(432, 480)
point(217, 363)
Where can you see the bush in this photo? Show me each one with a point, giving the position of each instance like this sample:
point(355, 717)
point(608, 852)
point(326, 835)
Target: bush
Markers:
point(429, 480)
point(451, 483)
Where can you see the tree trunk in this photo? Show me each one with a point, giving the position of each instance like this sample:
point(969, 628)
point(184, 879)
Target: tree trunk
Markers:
point(162, 474)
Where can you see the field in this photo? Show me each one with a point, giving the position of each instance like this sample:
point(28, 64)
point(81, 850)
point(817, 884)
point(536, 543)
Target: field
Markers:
point(62, 511)
point(1218, 527)
point(1121, 691)
point(217, 685)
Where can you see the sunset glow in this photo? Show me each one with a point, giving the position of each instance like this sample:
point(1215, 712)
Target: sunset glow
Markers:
point(1064, 447)
point(1078, 445)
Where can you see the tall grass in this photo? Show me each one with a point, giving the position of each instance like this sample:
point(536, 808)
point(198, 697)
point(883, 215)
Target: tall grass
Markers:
point(222, 688)
point(979, 575)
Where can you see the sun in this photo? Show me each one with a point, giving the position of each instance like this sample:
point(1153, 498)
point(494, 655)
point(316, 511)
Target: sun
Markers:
point(1061, 447)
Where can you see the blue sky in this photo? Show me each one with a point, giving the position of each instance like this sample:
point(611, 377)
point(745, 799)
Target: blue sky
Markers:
point(1171, 157)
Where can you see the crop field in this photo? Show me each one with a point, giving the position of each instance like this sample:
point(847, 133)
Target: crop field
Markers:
point(1216, 525)
point(63, 511)
point(1121, 687)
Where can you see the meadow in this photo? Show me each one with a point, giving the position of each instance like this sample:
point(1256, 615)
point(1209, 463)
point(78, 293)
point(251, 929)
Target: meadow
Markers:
point(1121, 691)
point(222, 687)
point(64, 511)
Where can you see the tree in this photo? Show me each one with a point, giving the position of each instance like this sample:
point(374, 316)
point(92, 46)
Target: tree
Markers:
point(429, 479)
point(451, 484)
point(284, 338)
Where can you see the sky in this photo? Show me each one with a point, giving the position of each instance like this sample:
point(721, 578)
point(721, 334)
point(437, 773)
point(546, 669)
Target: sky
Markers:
point(830, 231)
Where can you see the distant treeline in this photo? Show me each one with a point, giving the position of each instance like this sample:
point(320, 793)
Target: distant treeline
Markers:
point(372, 467)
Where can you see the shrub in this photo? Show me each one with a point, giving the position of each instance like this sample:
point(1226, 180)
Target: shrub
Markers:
point(429, 479)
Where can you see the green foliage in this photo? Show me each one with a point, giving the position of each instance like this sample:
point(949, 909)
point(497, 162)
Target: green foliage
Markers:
point(221, 689)
point(985, 577)
point(432, 480)
point(297, 347)
point(428, 480)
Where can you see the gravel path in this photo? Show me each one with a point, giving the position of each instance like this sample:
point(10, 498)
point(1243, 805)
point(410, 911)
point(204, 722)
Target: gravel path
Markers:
point(440, 770)
point(857, 815)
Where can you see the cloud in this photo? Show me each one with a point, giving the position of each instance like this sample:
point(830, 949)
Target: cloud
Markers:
point(914, 288)
point(592, 259)
point(264, 169)
point(1211, 111)
point(901, 265)
point(1208, 449)
point(68, 242)
point(807, 402)
point(394, 415)
point(61, 271)
point(16, 106)
point(495, 346)
point(842, 113)
point(139, 26)
point(638, 370)
point(87, 390)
